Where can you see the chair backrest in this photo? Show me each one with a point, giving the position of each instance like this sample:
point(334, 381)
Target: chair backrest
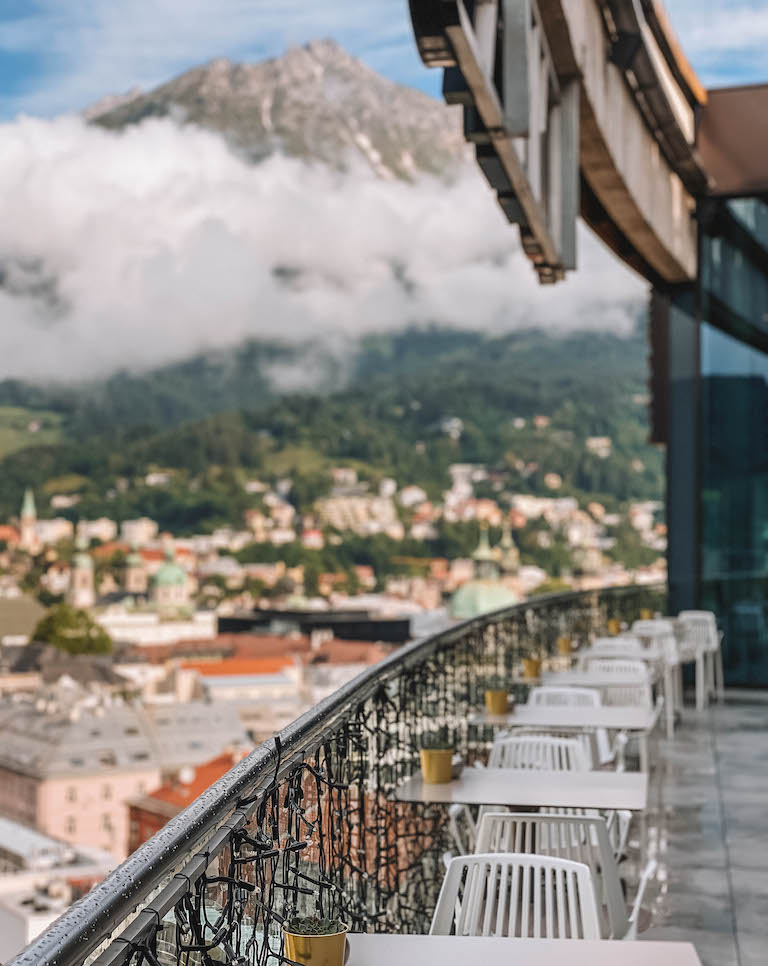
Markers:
point(620, 666)
point(656, 627)
point(519, 896)
point(542, 752)
point(578, 837)
point(638, 695)
point(661, 632)
point(551, 696)
point(699, 628)
point(623, 644)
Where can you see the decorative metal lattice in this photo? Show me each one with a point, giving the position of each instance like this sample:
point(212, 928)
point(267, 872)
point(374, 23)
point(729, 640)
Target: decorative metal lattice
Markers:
point(319, 829)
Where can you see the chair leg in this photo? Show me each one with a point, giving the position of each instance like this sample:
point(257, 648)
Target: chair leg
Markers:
point(644, 756)
point(679, 688)
point(719, 675)
point(669, 685)
point(701, 681)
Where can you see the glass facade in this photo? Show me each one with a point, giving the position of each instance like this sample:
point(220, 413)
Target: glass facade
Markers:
point(718, 435)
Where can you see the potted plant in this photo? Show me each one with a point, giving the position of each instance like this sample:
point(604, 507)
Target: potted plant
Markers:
point(564, 646)
point(315, 941)
point(436, 754)
point(496, 695)
point(614, 626)
point(532, 665)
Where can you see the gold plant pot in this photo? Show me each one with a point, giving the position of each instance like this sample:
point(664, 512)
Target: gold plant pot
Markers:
point(317, 950)
point(531, 668)
point(436, 765)
point(564, 646)
point(614, 626)
point(646, 614)
point(496, 701)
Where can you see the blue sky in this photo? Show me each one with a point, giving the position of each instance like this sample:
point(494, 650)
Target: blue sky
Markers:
point(60, 55)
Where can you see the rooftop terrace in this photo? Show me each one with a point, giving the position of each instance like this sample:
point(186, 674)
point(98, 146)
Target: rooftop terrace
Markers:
point(310, 821)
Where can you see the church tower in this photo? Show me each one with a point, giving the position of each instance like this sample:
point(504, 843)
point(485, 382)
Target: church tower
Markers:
point(29, 540)
point(510, 556)
point(135, 573)
point(81, 591)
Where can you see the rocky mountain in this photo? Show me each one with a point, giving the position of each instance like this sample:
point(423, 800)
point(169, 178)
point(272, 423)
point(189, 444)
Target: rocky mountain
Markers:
point(316, 103)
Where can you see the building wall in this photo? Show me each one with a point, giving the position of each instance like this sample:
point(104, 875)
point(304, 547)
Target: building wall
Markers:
point(142, 825)
point(91, 809)
point(716, 417)
point(18, 797)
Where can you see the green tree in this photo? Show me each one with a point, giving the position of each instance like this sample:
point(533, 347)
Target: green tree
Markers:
point(72, 630)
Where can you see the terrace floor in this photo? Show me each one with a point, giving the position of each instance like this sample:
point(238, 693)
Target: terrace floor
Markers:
point(708, 828)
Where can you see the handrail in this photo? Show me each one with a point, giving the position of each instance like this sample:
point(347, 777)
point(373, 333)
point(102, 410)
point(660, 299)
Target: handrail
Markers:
point(86, 925)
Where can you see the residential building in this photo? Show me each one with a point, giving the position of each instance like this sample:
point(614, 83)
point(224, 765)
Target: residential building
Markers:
point(39, 877)
point(139, 532)
point(147, 627)
point(102, 530)
point(69, 762)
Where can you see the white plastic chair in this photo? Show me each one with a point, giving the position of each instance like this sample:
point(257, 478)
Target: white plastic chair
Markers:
point(661, 633)
point(519, 896)
point(700, 632)
point(578, 838)
point(552, 696)
point(633, 691)
point(543, 752)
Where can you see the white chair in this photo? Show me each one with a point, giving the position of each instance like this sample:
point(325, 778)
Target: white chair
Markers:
point(634, 690)
point(543, 752)
point(699, 631)
point(519, 896)
point(660, 633)
point(579, 838)
point(565, 697)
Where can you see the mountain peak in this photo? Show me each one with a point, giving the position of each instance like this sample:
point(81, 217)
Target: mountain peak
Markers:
point(316, 102)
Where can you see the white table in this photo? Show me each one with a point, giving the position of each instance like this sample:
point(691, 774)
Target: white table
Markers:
point(529, 788)
point(651, 655)
point(639, 721)
point(558, 718)
point(576, 678)
point(384, 950)
point(658, 666)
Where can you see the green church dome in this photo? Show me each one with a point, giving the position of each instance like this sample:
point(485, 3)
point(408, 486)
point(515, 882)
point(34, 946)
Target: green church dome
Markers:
point(170, 573)
point(477, 597)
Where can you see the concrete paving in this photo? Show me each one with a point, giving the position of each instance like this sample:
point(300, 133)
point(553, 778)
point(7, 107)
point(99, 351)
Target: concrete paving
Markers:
point(708, 829)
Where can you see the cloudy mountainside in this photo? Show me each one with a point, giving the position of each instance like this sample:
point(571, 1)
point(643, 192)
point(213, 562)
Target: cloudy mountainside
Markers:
point(316, 103)
point(304, 200)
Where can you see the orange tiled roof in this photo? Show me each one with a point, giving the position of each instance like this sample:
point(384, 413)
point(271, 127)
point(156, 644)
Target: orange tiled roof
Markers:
point(182, 794)
point(235, 665)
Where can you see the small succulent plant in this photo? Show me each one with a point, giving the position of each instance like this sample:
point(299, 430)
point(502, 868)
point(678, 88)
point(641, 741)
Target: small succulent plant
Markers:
point(313, 926)
point(437, 740)
point(495, 682)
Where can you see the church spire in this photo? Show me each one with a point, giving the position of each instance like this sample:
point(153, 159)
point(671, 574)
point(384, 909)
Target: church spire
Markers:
point(510, 557)
point(486, 565)
point(28, 508)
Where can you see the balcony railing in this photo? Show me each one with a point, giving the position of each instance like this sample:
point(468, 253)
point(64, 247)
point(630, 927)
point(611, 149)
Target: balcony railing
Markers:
point(307, 822)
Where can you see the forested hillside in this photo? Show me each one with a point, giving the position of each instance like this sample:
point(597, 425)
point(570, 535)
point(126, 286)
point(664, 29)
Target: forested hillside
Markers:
point(409, 405)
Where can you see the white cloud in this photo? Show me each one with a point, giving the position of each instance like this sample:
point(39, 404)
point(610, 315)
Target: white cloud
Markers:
point(135, 248)
point(726, 40)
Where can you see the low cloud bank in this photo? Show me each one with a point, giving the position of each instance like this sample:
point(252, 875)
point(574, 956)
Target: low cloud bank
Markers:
point(132, 249)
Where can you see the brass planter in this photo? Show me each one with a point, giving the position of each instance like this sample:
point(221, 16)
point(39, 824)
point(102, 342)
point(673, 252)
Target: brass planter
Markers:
point(436, 768)
point(531, 668)
point(496, 701)
point(316, 950)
